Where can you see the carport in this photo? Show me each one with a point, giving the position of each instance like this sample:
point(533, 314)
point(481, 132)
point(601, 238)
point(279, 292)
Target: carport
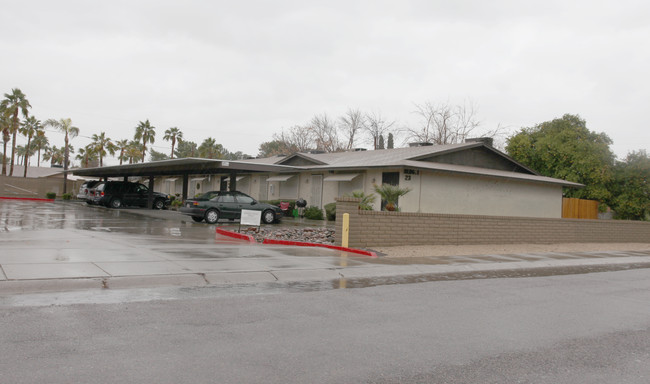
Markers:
point(184, 168)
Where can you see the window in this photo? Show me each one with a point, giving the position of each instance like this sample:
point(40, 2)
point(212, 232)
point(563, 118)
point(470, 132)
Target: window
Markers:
point(227, 199)
point(243, 199)
point(141, 189)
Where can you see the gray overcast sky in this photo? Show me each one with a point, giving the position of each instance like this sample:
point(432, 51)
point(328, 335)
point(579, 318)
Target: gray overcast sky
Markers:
point(241, 71)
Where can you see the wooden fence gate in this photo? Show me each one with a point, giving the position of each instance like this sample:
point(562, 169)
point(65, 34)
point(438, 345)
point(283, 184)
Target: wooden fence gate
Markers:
point(579, 208)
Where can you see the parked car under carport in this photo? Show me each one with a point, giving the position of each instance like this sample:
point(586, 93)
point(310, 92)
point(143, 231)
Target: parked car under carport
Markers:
point(216, 205)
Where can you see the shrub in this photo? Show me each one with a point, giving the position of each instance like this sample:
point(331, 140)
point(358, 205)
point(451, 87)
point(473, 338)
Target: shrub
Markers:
point(176, 203)
point(390, 193)
point(67, 196)
point(313, 213)
point(366, 200)
point(330, 211)
point(50, 195)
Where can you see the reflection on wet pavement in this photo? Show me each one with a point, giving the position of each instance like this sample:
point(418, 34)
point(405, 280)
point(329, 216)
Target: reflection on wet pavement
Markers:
point(175, 238)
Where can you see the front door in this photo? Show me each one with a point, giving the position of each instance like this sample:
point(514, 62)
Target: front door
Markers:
point(316, 191)
point(264, 189)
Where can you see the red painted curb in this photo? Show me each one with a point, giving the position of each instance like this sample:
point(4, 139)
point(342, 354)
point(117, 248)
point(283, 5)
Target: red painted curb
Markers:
point(236, 235)
point(25, 198)
point(304, 244)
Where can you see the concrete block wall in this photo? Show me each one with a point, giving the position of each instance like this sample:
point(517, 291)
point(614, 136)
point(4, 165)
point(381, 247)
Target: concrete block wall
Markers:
point(15, 186)
point(372, 228)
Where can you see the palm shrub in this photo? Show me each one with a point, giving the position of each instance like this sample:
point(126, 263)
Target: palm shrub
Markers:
point(313, 213)
point(50, 195)
point(365, 204)
point(366, 200)
point(391, 193)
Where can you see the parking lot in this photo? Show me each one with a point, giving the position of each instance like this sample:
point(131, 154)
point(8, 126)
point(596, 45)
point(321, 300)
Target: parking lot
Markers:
point(70, 245)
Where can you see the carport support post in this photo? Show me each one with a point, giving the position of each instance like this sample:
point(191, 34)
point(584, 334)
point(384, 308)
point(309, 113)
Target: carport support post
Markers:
point(150, 196)
point(233, 182)
point(186, 181)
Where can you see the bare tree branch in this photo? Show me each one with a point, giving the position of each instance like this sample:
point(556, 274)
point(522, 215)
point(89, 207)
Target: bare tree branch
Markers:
point(376, 126)
point(444, 123)
point(325, 134)
point(350, 125)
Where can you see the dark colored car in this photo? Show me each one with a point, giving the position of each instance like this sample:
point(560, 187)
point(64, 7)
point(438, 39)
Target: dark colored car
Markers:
point(215, 205)
point(115, 194)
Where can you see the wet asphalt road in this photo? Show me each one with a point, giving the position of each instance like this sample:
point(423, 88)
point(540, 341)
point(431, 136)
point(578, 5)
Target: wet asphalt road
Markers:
point(589, 326)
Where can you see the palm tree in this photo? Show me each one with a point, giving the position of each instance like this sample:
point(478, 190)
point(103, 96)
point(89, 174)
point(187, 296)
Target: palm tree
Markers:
point(87, 154)
point(65, 126)
point(54, 155)
point(390, 194)
point(209, 149)
point(173, 134)
point(40, 143)
point(5, 124)
point(101, 144)
point(29, 128)
point(14, 103)
point(147, 133)
point(21, 152)
point(122, 146)
point(133, 151)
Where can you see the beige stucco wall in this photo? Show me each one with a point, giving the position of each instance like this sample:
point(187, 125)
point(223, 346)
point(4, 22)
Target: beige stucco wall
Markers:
point(437, 192)
point(431, 192)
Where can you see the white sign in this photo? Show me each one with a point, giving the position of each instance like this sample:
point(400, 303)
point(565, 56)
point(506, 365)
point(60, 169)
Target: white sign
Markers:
point(249, 217)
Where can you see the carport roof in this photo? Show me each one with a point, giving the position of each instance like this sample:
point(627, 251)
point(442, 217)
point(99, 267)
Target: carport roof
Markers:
point(189, 166)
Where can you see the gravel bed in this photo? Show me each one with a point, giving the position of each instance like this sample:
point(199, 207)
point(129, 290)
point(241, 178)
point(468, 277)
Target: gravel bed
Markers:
point(310, 235)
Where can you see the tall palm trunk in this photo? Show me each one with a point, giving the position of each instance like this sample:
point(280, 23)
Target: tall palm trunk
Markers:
point(26, 161)
point(5, 138)
point(13, 141)
point(65, 165)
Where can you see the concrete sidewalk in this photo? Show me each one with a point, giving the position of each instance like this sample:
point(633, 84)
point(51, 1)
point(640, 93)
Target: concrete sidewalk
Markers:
point(93, 260)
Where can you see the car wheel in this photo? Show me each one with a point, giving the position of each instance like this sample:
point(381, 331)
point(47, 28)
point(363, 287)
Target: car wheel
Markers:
point(159, 204)
point(212, 216)
point(197, 219)
point(116, 203)
point(268, 216)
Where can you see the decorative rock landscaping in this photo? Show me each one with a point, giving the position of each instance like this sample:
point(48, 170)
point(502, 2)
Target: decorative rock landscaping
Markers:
point(309, 235)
